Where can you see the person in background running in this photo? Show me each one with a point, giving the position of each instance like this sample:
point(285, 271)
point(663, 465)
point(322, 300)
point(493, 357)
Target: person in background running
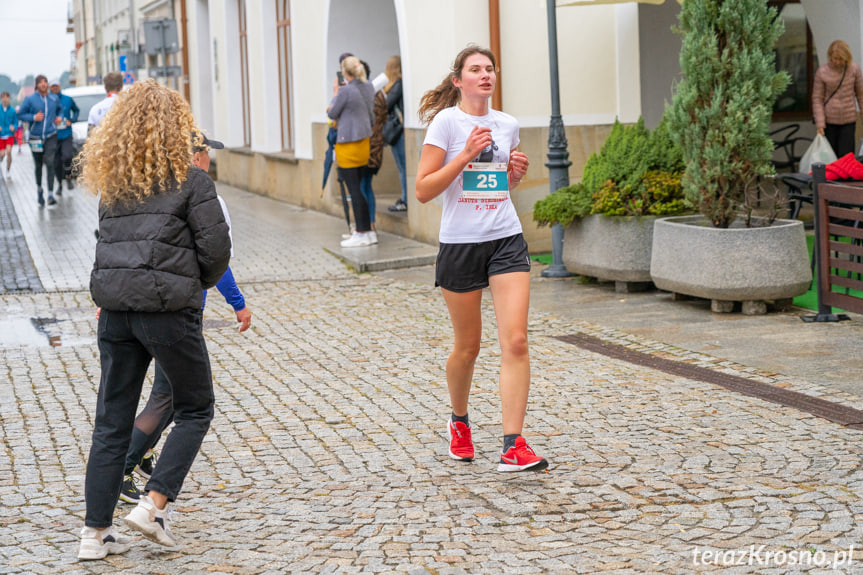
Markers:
point(8, 126)
point(158, 414)
point(63, 161)
point(42, 110)
point(470, 158)
point(19, 136)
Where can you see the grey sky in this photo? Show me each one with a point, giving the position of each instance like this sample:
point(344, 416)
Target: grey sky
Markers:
point(34, 38)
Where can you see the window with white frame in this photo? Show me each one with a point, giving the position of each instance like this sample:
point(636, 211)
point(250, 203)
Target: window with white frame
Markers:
point(283, 33)
point(244, 73)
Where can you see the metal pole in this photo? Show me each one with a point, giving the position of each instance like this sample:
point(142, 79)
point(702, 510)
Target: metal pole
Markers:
point(558, 158)
point(131, 58)
point(162, 25)
point(97, 37)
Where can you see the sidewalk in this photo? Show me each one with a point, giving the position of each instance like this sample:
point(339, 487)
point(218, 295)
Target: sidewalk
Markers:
point(327, 453)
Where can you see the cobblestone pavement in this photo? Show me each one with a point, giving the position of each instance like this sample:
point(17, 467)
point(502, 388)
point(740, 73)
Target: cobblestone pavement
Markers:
point(327, 453)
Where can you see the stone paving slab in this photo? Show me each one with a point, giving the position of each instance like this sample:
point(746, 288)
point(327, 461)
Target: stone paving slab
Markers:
point(19, 272)
point(327, 453)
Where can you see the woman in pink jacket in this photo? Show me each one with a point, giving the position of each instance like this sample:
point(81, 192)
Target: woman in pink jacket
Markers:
point(836, 94)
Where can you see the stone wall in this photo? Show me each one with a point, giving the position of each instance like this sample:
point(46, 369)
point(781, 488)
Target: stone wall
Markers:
point(298, 181)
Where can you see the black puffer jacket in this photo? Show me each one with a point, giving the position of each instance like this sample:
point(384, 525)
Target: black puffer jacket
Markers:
point(159, 255)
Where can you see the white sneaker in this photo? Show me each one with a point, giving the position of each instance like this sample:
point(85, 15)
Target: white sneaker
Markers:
point(357, 240)
point(151, 521)
point(350, 233)
point(373, 237)
point(99, 543)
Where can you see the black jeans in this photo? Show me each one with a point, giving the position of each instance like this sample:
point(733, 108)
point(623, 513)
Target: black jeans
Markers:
point(841, 138)
point(63, 161)
point(46, 157)
point(352, 177)
point(155, 418)
point(128, 341)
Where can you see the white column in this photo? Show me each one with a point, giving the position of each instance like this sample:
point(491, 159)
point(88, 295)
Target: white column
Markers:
point(227, 87)
point(201, 89)
point(264, 77)
point(627, 63)
point(834, 20)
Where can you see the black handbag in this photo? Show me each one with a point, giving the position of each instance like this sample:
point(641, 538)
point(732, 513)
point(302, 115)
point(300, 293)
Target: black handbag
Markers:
point(393, 128)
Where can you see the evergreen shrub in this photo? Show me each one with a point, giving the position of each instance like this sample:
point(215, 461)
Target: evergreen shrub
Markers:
point(721, 110)
point(636, 172)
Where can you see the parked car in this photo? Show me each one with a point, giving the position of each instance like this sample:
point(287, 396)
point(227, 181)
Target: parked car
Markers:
point(85, 97)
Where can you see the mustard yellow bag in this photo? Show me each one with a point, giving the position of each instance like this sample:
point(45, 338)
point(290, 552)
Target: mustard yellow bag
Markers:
point(352, 154)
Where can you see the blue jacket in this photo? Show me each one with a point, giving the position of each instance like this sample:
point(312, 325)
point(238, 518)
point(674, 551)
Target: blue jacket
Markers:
point(8, 117)
point(70, 112)
point(49, 105)
point(227, 286)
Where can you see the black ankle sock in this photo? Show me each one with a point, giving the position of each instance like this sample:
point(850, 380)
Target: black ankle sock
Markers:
point(509, 441)
point(463, 418)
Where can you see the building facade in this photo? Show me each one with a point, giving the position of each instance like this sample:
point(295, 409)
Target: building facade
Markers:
point(259, 75)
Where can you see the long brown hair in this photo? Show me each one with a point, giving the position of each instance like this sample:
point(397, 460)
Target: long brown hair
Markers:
point(393, 71)
point(446, 94)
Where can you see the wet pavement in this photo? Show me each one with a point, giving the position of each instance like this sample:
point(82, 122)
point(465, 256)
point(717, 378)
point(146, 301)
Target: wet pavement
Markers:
point(327, 453)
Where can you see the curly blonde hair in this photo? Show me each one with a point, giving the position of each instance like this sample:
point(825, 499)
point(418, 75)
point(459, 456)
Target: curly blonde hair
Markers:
point(143, 145)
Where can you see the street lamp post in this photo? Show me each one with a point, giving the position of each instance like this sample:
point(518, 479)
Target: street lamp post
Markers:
point(558, 158)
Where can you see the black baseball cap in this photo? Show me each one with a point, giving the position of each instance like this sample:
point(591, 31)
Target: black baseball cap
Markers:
point(207, 143)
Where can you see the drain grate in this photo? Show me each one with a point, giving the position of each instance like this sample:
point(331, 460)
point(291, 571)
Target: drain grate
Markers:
point(837, 413)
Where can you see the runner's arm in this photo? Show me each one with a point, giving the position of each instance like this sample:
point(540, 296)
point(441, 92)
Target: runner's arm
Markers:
point(433, 177)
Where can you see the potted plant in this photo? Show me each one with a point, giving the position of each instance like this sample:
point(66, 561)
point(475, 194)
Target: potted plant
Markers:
point(721, 114)
point(609, 214)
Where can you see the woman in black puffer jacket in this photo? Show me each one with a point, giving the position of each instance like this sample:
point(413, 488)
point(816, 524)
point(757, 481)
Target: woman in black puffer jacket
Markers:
point(162, 240)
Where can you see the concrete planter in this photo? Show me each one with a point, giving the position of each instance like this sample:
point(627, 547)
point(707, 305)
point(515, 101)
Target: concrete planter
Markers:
point(610, 248)
point(727, 265)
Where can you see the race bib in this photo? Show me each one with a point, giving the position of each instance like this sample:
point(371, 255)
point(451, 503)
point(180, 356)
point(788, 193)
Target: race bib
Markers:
point(485, 181)
point(35, 146)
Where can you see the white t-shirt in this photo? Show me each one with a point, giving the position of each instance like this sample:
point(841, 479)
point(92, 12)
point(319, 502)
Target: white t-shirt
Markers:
point(467, 220)
point(227, 221)
point(99, 109)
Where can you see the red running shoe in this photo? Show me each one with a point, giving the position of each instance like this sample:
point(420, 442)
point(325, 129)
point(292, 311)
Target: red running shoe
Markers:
point(521, 457)
point(460, 443)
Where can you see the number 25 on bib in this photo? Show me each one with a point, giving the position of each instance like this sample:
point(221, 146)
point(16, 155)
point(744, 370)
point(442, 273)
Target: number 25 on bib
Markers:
point(485, 181)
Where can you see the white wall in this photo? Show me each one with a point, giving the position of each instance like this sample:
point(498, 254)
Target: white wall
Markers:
point(227, 96)
point(598, 53)
point(834, 20)
point(365, 28)
point(434, 33)
point(588, 39)
point(308, 72)
point(201, 92)
point(263, 77)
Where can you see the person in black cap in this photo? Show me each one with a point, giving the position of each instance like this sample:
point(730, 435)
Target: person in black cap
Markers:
point(158, 414)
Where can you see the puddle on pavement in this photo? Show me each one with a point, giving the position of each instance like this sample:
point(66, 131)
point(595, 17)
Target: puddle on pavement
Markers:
point(36, 332)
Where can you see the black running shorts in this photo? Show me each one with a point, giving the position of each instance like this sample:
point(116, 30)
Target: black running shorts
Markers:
point(467, 267)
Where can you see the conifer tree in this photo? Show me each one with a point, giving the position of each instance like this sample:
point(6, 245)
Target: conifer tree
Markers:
point(721, 110)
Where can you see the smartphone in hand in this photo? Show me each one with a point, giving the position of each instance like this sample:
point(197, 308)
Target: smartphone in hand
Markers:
point(341, 78)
